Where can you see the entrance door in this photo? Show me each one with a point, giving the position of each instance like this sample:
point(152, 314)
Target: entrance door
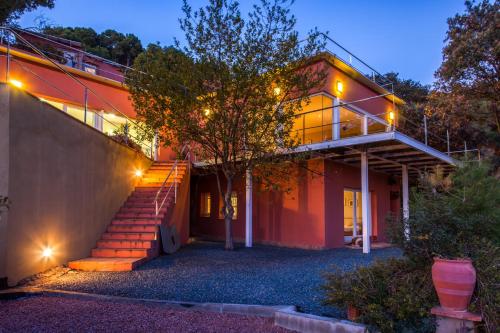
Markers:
point(352, 215)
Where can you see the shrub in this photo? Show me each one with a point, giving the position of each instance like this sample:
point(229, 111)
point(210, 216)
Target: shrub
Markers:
point(450, 217)
point(393, 295)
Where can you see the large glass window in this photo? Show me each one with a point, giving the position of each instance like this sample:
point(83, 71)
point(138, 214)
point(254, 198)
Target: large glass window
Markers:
point(234, 203)
point(350, 123)
point(205, 204)
point(314, 122)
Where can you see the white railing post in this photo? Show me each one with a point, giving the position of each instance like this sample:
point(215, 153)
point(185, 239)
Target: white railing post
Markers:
point(365, 124)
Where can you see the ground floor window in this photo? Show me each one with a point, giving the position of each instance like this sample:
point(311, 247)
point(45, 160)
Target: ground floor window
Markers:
point(234, 203)
point(205, 204)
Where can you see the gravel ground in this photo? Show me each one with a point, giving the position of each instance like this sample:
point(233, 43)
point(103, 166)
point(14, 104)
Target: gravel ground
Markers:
point(58, 314)
point(204, 272)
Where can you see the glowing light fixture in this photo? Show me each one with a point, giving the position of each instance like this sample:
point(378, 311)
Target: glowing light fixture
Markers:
point(138, 173)
point(16, 83)
point(391, 115)
point(277, 91)
point(47, 252)
point(340, 86)
point(206, 112)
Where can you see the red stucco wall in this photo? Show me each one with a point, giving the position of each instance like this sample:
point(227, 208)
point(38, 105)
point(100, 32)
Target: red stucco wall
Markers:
point(309, 216)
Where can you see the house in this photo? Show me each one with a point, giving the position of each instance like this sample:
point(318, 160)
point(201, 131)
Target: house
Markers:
point(358, 173)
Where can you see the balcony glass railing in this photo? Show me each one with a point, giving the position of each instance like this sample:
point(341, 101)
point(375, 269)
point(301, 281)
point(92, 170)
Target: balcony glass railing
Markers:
point(315, 123)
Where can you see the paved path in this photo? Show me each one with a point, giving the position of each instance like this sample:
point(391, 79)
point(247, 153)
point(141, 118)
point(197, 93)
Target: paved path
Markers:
point(204, 272)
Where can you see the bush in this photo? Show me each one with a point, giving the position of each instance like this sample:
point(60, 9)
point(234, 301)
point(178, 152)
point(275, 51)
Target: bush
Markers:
point(450, 217)
point(393, 295)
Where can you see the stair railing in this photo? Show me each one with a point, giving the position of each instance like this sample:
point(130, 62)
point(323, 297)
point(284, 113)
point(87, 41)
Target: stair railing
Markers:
point(158, 205)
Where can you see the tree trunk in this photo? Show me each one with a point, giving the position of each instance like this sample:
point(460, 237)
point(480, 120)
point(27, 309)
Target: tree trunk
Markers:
point(228, 214)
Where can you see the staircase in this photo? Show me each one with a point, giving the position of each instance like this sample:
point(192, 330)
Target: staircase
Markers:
point(132, 238)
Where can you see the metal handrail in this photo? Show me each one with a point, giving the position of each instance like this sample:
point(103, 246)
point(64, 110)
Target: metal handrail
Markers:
point(173, 184)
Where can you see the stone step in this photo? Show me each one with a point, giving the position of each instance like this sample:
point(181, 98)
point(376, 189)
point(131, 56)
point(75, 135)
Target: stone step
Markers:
point(121, 253)
point(106, 264)
point(126, 244)
point(130, 235)
point(133, 228)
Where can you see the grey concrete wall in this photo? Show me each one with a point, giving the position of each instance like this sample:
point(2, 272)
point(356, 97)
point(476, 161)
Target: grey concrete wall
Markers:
point(65, 181)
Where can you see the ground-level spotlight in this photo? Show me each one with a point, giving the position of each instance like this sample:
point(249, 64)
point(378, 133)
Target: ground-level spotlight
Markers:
point(47, 252)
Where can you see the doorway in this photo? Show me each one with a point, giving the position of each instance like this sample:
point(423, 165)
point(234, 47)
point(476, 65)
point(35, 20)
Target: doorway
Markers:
point(352, 215)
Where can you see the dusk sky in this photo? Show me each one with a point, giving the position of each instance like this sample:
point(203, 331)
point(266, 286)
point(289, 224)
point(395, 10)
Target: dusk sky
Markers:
point(402, 36)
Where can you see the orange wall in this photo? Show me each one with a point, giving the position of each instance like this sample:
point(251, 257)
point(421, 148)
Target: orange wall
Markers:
point(57, 85)
point(353, 90)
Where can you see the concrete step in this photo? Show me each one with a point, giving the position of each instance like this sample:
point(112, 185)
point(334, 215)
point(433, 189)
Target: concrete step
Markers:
point(141, 210)
point(130, 235)
point(121, 253)
point(133, 228)
point(106, 264)
point(135, 222)
point(126, 244)
point(139, 216)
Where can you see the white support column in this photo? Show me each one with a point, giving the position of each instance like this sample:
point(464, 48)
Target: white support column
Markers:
point(365, 124)
point(248, 209)
point(365, 202)
point(406, 207)
point(336, 119)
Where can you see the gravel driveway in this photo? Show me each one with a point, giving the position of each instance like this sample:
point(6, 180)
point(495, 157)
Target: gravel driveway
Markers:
point(204, 272)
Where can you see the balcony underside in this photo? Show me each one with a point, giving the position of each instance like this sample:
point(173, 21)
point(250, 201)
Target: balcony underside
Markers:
point(387, 152)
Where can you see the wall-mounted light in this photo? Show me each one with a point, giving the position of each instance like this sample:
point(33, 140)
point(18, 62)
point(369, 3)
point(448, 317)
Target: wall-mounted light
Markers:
point(206, 112)
point(138, 173)
point(391, 115)
point(340, 87)
point(16, 83)
point(277, 91)
point(47, 252)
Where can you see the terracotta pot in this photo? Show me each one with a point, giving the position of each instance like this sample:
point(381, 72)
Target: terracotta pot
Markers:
point(352, 312)
point(454, 281)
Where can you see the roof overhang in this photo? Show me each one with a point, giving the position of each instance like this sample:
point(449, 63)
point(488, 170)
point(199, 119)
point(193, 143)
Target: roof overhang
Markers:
point(387, 153)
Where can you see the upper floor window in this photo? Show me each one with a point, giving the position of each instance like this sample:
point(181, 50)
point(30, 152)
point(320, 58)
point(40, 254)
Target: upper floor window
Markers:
point(234, 203)
point(205, 204)
point(90, 68)
point(314, 122)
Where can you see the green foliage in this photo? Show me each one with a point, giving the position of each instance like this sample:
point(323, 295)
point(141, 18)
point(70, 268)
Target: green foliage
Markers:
point(11, 10)
point(467, 96)
point(450, 217)
point(393, 295)
point(110, 44)
point(218, 92)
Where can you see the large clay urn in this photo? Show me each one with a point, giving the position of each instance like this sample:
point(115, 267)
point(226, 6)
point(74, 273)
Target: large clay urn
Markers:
point(454, 281)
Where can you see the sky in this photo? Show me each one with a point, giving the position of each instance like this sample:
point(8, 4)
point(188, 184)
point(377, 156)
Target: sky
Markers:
point(404, 36)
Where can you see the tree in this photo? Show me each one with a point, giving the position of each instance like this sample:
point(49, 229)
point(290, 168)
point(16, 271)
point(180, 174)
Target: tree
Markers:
point(232, 91)
point(415, 95)
point(467, 93)
point(110, 44)
point(10, 11)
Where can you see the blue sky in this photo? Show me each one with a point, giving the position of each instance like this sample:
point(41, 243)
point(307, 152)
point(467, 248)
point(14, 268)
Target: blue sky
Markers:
point(404, 36)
